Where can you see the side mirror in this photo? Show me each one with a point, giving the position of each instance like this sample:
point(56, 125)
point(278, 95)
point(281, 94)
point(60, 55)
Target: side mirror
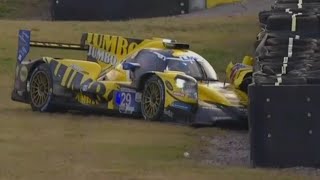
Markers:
point(130, 66)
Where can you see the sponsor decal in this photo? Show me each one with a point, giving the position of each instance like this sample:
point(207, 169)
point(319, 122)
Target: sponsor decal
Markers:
point(126, 101)
point(169, 85)
point(85, 88)
point(189, 58)
point(138, 97)
point(168, 113)
point(243, 110)
point(23, 45)
point(74, 80)
point(123, 89)
point(109, 49)
point(160, 56)
point(23, 73)
point(102, 56)
point(221, 118)
point(20, 93)
point(210, 107)
point(237, 68)
point(85, 100)
point(180, 94)
point(182, 106)
point(76, 68)
point(17, 71)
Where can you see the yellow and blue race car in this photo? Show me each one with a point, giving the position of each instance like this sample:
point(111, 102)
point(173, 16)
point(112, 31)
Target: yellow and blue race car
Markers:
point(158, 79)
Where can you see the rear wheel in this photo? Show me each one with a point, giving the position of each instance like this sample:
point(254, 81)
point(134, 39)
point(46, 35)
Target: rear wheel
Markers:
point(152, 104)
point(41, 89)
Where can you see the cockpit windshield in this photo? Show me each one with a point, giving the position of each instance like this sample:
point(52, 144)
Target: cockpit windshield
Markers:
point(191, 68)
point(185, 61)
point(193, 65)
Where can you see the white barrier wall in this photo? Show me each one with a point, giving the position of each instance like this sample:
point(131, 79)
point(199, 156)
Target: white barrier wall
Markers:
point(195, 5)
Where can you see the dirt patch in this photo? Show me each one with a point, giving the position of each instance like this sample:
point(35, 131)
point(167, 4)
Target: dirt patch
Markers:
point(230, 148)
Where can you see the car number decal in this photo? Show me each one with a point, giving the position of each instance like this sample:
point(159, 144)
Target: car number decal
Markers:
point(126, 102)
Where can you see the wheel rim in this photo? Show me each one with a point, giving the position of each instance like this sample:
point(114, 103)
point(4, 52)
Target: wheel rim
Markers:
point(39, 89)
point(151, 100)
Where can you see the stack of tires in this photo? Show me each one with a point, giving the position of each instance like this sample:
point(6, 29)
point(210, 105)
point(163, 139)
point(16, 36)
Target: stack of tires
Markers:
point(288, 47)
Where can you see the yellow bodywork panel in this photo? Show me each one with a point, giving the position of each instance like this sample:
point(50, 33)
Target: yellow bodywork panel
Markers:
point(117, 74)
point(91, 69)
point(111, 50)
point(108, 73)
point(237, 72)
point(173, 93)
point(217, 93)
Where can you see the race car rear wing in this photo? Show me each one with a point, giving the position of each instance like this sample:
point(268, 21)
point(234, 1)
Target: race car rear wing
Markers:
point(103, 48)
point(55, 45)
point(25, 42)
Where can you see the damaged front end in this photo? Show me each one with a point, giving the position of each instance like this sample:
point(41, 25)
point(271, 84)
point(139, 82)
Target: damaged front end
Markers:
point(209, 114)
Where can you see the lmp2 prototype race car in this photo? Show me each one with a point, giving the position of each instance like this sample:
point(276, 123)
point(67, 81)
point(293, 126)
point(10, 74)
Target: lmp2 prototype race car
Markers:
point(158, 79)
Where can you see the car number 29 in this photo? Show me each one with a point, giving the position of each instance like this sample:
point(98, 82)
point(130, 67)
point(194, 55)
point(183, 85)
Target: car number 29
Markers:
point(126, 99)
point(126, 102)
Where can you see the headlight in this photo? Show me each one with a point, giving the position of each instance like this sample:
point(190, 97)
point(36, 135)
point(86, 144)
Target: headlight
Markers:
point(188, 87)
point(180, 83)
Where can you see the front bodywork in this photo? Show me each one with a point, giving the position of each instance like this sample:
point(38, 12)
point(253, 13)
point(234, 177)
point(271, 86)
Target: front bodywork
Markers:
point(99, 82)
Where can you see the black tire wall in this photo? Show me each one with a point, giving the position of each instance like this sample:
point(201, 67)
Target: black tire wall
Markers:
point(290, 35)
point(116, 9)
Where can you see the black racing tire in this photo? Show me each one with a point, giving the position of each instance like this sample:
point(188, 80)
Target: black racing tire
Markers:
point(273, 69)
point(280, 54)
point(41, 87)
point(298, 42)
point(153, 99)
point(284, 48)
point(264, 15)
point(287, 35)
point(281, 58)
point(305, 23)
point(285, 53)
point(296, 1)
point(295, 6)
point(290, 63)
point(260, 78)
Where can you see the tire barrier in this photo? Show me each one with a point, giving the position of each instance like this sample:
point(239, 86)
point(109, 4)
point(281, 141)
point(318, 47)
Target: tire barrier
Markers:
point(116, 9)
point(284, 96)
point(288, 33)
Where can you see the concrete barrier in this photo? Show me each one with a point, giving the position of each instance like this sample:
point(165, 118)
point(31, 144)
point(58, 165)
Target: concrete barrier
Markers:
point(196, 5)
point(284, 126)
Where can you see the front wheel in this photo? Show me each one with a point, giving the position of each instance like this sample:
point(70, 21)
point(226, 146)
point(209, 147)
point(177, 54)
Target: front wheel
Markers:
point(153, 97)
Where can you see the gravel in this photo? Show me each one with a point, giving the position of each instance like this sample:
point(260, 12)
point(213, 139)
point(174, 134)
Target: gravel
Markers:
point(232, 148)
point(226, 149)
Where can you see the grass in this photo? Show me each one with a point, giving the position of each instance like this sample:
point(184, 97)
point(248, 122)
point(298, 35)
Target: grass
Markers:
point(218, 40)
point(70, 146)
point(23, 8)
